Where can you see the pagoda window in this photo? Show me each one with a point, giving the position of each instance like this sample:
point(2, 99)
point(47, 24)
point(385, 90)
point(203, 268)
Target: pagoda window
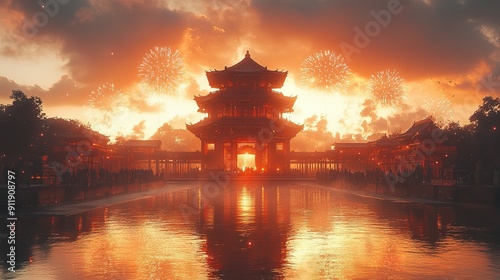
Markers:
point(210, 146)
point(269, 112)
point(245, 144)
point(279, 146)
point(254, 112)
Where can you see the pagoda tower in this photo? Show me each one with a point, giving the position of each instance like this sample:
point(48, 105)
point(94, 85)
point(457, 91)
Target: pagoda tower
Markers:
point(244, 126)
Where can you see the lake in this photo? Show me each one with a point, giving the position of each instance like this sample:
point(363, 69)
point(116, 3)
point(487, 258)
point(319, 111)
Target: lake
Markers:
point(261, 230)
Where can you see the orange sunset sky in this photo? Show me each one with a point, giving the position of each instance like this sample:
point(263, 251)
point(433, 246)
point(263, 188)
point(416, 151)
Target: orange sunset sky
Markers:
point(446, 51)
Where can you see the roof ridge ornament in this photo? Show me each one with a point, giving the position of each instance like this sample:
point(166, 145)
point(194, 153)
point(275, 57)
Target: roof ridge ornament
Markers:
point(246, 71)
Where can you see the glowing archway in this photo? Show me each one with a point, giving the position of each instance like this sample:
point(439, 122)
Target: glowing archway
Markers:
point(245, 161)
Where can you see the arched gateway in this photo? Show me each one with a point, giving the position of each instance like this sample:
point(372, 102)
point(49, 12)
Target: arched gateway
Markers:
point(245, 127)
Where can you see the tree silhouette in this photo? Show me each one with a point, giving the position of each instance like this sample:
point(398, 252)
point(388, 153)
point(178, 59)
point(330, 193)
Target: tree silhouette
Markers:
point(461, 137)
point(486, 122)
point(314, 128)
point(176, 139)
point(53, 128)
point(21, 125)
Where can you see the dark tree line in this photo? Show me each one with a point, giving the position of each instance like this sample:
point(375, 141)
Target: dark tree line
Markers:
point(27, 134)
point(478, 143)
point(179, 140)
point(21, 125)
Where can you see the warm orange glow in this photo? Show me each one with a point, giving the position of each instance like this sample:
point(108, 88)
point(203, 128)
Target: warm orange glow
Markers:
point(322, 236)
point(68, 71)
point(127, 248)
point(245, 161)
point(246, 206)
point(210, 146)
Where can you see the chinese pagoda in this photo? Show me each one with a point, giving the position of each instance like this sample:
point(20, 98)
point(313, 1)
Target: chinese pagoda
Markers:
point(245, 127)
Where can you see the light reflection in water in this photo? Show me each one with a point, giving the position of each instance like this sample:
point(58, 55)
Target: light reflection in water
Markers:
point(263, 231)
point(246, 206)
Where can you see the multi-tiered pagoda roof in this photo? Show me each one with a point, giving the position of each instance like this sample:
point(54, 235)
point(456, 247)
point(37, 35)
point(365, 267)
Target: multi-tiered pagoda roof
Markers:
point(246, 82)
point(248, 86)
point(246, 72)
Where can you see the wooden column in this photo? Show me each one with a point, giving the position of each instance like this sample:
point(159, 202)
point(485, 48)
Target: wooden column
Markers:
point(203, 156)
point(286, 150)
point(259, 150)
point(271, 156)
point(234, 153)
point(219, 154)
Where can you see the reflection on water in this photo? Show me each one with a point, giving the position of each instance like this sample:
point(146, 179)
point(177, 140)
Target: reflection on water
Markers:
point(262, 231)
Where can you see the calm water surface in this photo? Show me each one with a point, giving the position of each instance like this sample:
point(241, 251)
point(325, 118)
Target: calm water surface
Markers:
point(255, 230)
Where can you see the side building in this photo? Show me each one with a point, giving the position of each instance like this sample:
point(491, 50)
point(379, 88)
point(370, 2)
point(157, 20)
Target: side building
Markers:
point(422, 147)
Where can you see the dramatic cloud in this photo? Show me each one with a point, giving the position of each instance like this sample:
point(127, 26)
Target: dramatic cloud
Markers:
point(108, 43)
point(63, 92)
point(442, 48)
point(423, 40)
point(104, 41)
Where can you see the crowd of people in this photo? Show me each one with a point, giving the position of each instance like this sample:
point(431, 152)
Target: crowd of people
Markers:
point(93, 178)
point(376, 176)
point(196, 172)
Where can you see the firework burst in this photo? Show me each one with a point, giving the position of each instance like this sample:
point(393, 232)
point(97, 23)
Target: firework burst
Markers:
point(386, 88)
point(439, 109)
point(104, 103)
point(104, 97)
point(325, 70)
point(162, 69)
